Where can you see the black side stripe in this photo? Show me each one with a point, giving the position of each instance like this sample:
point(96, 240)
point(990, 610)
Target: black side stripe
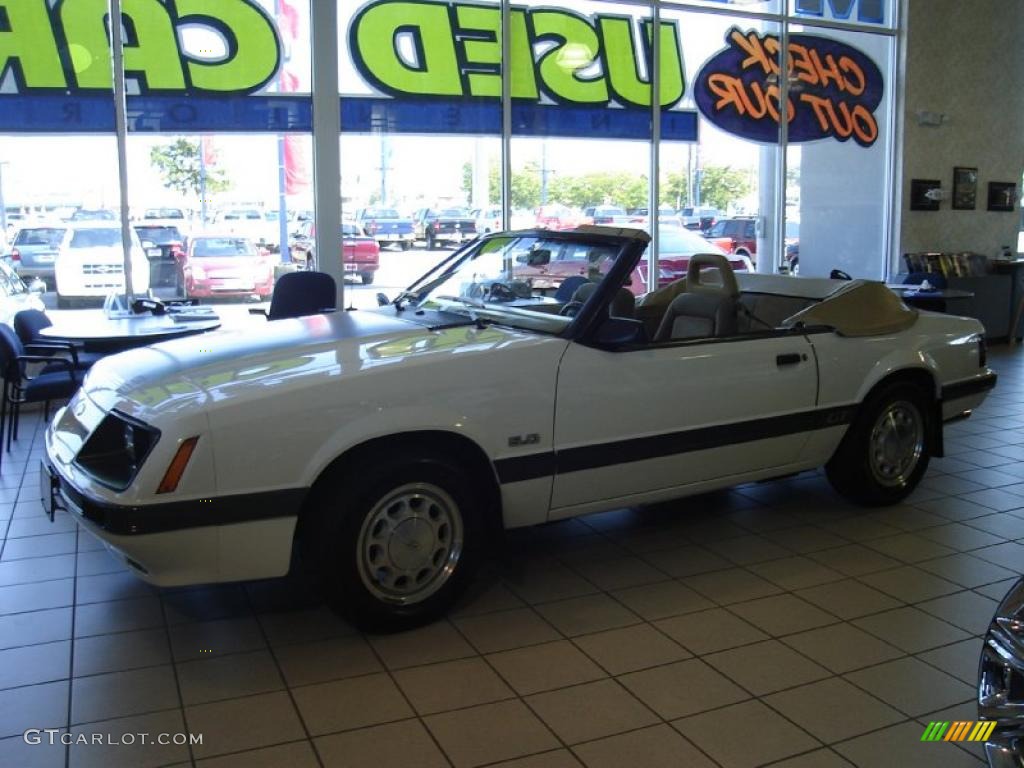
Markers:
point(549, 463)
point(970, 387)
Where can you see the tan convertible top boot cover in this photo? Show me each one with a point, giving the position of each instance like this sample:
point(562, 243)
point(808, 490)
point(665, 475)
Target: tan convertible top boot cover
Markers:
point(862, 308)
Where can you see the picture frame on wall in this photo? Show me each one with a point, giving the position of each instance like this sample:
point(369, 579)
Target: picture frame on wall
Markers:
point(965, 188)
point(1002, 196)
point(925, 194)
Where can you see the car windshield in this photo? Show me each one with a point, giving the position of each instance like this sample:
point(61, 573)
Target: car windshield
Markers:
point(495, 280)
point(351, 230)
point(96, 238)
point(50, 237)
point(382, 213)
point(83, 215)
point(223, 246)
point(674, 241)
point(160, 235)
point(455, 213)
point(164, 213)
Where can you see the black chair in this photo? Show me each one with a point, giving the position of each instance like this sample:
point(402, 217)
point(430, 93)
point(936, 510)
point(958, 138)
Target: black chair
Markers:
point(58, 379)
point(297, 294)
point(568, 288)
point(29, 322)
point(923, 300)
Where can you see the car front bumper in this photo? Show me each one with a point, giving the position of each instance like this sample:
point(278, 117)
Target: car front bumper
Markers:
point(210, 288)
point(178, 543)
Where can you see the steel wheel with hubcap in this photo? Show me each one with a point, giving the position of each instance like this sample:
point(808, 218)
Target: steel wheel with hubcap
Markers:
point(884, 454)
point(897, 441)
point(410, 544)
point(395, 538)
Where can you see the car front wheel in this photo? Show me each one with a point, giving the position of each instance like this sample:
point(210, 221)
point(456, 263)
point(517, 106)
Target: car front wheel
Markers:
point(396, 545)
point(885, 452)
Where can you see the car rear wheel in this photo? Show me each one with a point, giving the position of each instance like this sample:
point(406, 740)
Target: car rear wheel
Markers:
point(431, 243)
point(405, 245)
point(396, 544)
point(885, 452)
point(366, 277)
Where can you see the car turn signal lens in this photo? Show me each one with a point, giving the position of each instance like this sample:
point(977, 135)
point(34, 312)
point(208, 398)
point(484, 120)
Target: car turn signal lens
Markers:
point(177, 467)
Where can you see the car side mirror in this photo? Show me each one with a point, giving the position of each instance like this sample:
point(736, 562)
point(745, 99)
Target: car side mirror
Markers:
point(538, 258)
point(382, 300)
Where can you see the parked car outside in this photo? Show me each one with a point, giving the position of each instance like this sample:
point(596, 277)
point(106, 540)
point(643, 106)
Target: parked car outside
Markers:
point(702, 218)
point(166, 244)
point(488, 219)
point(250, 224)
point(792, 242)
point(94, 214)
point(16, 295)
point(448, 226)
point(33, 253)
point(176, 214)
point(225, 266)
point(606, 215)
point(360, 253)
point(387, 227)
point(405, 437)
point(736, 235)
point(90, 263)
point(558, 217)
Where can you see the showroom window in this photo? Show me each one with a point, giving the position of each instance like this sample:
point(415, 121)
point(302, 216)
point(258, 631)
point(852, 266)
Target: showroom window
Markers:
point(438, 141)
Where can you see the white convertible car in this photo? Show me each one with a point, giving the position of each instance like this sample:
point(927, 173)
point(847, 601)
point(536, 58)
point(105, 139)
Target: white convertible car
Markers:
point(390, 444)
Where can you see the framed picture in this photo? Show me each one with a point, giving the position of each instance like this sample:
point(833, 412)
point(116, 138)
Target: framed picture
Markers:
point(922, 194)
point(1002, 196)
point(965, 188)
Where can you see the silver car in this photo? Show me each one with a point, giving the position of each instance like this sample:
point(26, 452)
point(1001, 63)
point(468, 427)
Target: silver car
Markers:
point(1001, 681)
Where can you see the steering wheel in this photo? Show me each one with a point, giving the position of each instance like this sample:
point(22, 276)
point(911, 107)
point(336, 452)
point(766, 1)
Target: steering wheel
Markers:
point(500, 292)
point(571, 309)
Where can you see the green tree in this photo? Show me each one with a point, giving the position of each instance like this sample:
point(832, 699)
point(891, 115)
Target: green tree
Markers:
point(674, 191)
point(525, 185)
point(179, 167)
point(721, 185)
point(625, 189)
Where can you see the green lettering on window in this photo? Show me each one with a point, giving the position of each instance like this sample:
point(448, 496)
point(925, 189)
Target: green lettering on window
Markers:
point(254, 50)
point(381, 35)
point(28, 46)
point(576, 48)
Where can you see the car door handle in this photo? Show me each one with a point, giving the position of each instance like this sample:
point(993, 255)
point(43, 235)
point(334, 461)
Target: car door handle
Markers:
point(792, 358)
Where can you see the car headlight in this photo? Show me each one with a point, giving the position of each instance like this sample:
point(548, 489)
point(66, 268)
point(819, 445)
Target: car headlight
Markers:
point(116, 450)
point(1001, 675)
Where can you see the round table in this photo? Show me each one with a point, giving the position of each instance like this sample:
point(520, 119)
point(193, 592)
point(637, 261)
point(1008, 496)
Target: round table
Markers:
point(99, 333)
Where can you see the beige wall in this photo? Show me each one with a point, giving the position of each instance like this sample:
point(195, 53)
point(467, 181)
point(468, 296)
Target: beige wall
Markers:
point(965, 58)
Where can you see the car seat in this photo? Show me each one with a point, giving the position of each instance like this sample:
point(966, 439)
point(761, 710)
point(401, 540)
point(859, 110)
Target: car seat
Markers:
point(706, 309)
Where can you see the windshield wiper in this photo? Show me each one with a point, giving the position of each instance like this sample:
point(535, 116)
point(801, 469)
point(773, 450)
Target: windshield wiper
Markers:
point(475, 303)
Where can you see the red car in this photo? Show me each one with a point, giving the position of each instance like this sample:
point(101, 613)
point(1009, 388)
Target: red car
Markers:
point(226, 266)
point(558, 217)
point(360, 253)
point(737, 235)
point(676, 246)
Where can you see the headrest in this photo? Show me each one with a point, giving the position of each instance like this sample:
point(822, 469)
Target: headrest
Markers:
point(713, 261)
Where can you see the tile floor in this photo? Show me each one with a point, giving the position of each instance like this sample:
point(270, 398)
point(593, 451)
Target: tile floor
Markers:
point(772, 624)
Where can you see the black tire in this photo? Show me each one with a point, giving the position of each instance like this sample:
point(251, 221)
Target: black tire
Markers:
point(405, 245)
point(853, 470)
point(366, 277)
point(431, 243)
point(345, 501)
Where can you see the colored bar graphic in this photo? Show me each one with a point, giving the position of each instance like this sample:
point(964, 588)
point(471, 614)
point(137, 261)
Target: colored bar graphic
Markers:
point(963, 730)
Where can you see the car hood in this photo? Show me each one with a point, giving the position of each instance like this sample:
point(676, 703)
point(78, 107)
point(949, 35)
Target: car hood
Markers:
point(158, 382)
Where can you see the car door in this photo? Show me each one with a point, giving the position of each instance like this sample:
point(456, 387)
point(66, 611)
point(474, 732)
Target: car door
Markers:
point(658, 417)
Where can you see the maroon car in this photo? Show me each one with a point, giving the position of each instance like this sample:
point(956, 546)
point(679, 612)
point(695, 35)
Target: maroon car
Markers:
point(226, 265)
point(360, 253)
point(737, 235)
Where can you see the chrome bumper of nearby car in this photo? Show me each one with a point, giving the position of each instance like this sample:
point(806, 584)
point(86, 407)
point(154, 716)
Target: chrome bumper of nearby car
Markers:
point(1001, 681)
